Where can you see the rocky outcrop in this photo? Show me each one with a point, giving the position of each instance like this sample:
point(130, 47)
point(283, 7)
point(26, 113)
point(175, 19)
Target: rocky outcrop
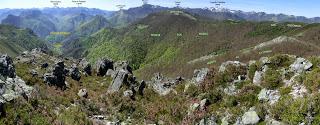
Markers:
point(7, 67)
point(298, 91)
point(75, 73)
point(271, 96)
point(200, 75)
point(57, 76)
point(122, 75)
point(300, 65)
point(163, 85)
point(85, 67)
point(118, 79)
point(103, 65)
point(142, 86)
point(11, 86)
point(257, 78)
point(224, 65)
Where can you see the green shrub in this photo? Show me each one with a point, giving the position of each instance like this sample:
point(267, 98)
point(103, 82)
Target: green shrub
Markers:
point(272, 79)
point(312, 80)
point(248, 95)
point(285, 90)
point(289, 110)
point(252, 69)
point(280, 61)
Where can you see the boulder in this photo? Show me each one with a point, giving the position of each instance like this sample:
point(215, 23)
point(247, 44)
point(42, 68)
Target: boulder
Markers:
point(128, 93)
point(141, 87)
point(298, 91)
point(250, 118)
point(271, 96)
point(12, 88)
point(203, 104)
point(119, 78)
point(86, 67)
point(265, 60)
point(83, 93)
point(7, 67)
point(103, 65)
point(200, 75)
point(110, 72)
point(57, 76)
point(60, 73)
point(163, 85)
point(123, 65)
point(257, 79)
point(75, 73)
point(301, 65)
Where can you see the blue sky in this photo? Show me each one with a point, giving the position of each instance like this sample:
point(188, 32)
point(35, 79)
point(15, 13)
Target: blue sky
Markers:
point(309, 8)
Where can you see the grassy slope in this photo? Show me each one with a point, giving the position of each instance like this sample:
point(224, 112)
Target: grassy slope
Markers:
point(14, 41)
point(170, 54)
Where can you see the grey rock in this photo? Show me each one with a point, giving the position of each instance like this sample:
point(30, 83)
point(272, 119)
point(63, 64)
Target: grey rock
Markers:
point(118, 79)
point(128, 93)
point(83, 93)
point(265, 60)
point(234, 63)
point(57, 76)
point(7, 67)
point(86, 67)
point(208, 121)
point(301, 65)
point(163, 85)
point(123, 65)
point(274, 122)
point(13, 88)
point(141, 87)
point(103, 65)
point(257, 79)
point(75, 73)
point(271, 96)
point(203, 103)
point(110, 72)
point(230, 90)
point(298, 91)
point(200, 75)
point(250, 118)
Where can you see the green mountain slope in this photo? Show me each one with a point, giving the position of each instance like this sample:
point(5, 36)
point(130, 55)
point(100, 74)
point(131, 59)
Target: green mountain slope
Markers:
point(185, 43)
point(13, 40)
point(77, 43)
point(40, 23)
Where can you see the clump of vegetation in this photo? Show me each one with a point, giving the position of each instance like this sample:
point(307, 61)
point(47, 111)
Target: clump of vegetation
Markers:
point(272, 79)
point(312, 80)
point(290, 111)
point(280, 60)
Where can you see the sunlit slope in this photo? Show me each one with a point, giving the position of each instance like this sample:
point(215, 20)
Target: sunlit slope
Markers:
point(175, 42)
point(14, 41)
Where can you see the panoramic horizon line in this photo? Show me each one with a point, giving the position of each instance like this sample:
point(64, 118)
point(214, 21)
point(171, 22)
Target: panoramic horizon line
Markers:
point(164, 7)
